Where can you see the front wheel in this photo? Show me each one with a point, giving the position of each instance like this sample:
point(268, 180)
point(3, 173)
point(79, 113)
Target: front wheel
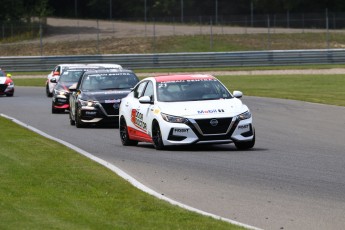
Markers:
point(124, 134)
point(245, 144)
point(78, 122)
point(48, 93)
point(54, 110)
point(157, 136)
point(71, 121)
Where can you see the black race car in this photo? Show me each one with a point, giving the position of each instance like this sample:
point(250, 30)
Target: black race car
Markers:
point(69, 76)
point(97, 96)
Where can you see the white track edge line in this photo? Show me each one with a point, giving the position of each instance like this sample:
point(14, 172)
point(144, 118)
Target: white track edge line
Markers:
point(126, 176)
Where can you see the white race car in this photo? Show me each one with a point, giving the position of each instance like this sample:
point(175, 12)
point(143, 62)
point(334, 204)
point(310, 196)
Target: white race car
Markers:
point(55, 75)
point(185, 109)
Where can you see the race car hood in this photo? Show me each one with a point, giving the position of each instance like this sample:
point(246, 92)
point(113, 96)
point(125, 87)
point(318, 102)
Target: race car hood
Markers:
point(103, 95)
point(64, 85)
point(199, 109)
point(5, 80)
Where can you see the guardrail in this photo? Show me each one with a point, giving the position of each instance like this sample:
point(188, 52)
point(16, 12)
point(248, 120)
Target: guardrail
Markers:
point(181, 60)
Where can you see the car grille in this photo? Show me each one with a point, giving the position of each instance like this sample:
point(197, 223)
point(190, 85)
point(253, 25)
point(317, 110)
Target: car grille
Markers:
point(221, 127)
point(3, 87)
point(109, 109)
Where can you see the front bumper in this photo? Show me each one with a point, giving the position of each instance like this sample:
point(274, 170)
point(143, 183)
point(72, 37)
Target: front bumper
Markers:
point(101, 112)
point(6, 89)
point(61, 102)
point(200, 131)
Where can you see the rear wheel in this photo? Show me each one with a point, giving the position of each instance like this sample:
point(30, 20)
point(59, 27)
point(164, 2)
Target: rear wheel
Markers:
point(9, 95)
point(124, 134)
point(157, 136)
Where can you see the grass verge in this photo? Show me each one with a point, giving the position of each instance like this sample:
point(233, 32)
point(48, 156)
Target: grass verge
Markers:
point(47, 186)
point(325, 89)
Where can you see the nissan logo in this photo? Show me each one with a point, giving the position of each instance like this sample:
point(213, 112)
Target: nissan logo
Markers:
point(214, 122)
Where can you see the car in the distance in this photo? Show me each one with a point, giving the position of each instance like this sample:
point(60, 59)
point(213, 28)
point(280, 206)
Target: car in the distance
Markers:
point(97, 96)
point(6, 84)
point(54, 75)
point(188, 109)
point(58, 69)
point(70, 76)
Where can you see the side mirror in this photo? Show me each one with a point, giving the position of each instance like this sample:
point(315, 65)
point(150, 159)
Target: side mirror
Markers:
point(237, 94)
point(145, 100)
point(8, 75)
point(53, 80)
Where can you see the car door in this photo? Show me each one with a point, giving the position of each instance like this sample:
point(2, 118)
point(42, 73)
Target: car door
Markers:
point(137, 111)
point(146, 109)
point(73, 98)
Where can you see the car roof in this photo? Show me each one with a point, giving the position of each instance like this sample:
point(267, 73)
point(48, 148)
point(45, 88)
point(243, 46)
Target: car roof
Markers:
point(75, 68)
point(183, 77)
point(106, 65)
point(106, 70)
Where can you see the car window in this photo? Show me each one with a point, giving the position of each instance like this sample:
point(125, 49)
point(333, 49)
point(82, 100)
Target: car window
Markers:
point(70, 76)
point(108, 81)
point(149, 90)
point(191, 90)
point(138, 91)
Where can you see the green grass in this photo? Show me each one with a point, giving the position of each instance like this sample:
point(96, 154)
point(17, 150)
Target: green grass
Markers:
point(325, 89)
point(183, 43)
point(30, 81)
point(45, 185)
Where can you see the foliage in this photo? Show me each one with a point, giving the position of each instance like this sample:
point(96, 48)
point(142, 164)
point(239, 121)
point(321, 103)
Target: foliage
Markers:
point(16, 9)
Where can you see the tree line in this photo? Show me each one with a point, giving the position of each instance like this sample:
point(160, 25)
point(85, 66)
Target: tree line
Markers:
point(141, 9)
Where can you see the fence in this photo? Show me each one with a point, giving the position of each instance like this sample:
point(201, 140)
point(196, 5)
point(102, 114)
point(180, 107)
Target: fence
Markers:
point(182, 60)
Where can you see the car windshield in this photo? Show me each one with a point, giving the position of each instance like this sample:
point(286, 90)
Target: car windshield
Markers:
point(2, 73)
point(70, 76)
point(108, 81)
point(195, 90)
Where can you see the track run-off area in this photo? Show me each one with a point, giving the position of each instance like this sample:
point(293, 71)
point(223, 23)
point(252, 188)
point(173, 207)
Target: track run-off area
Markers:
point(292, 179)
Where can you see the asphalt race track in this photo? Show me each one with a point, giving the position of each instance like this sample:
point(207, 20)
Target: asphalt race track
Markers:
point(294, 178)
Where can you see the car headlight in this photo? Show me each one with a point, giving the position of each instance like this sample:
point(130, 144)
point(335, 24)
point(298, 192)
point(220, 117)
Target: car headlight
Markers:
point(60, 92)
point(173, 119)
point(244, 116)
point(87, 103)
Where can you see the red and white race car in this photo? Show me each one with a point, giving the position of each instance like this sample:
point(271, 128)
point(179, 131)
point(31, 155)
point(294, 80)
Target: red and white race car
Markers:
point(185, 110)
point(6, 84)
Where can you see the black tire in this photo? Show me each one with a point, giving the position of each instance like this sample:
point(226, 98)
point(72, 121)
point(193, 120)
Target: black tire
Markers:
point(243, 145)
point(124, 134)
point(78, 122)
point(48, 93)
point(9, 95)
point(71, 121)
point(54, 110)
point(157, 136)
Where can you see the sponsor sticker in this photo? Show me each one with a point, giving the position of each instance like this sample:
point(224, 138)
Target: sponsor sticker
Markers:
point(243, 127)
point(209, 111)
point(112, 101)
point(180, 132)
point(137, 119)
